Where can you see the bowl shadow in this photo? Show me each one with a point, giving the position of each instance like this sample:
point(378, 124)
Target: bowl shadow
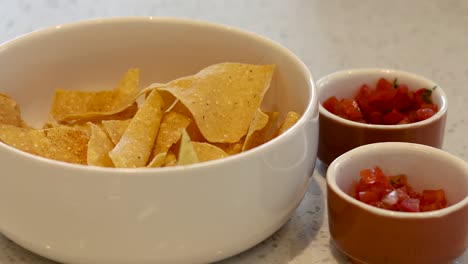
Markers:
point(13, 253)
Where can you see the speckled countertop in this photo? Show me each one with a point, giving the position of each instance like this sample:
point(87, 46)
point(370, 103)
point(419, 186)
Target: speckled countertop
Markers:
point(426, 37)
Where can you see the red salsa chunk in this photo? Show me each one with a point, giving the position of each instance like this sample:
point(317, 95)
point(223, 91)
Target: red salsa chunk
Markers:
point(387, 104)
point(394, 193)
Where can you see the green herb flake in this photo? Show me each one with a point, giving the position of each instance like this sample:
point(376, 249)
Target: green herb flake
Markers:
point(395, 83)
point(426, 96)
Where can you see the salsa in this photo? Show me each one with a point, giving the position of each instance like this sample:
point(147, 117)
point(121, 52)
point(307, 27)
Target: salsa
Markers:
point(390, 103)
point(394, 193)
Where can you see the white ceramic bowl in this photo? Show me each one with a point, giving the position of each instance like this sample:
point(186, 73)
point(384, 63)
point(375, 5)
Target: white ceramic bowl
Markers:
point(191, 214)
point(339, 135)
point(372, 235)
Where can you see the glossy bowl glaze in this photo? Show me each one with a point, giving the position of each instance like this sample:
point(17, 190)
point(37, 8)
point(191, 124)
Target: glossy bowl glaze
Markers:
point(189, 214)
point(369, 234)
point(338, 135)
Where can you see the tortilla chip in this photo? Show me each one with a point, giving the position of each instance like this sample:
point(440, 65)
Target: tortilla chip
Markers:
point(259, 121)
point(127, 113)
point(115, 129)
point(192, 128)
point(10, 112)
point(170, 160)
point(61, 143)
point(134, 148)
point(99, 145)
point(290, 119)
point(187, 154)
point(24, 139)
point(269, 129)
point(223, 98)
point(259, 128)
point(52, 123)
point(170, 131)
point(206, 151)
point(80, 105)
point(231, 148)
point(158, 160)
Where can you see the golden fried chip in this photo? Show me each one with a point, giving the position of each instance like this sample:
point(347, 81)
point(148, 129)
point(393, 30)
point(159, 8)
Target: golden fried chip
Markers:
point(10, 112)
point(25, 139)
point(192, 128)
point(61, 143)
point(170, 160)
point(99, 145)
point(259, 121)
point(115, 128)
point(127, 113)
point(134, 148)
point(231, 148)
point(259, 128)
point(269, 128)
point(290, 119)
point(52, 123)
point(158, 160)
point(187, 154)
point(80, 105)
point(223, 98)
point(206, 151)
point(209, 115)
point(170, 131)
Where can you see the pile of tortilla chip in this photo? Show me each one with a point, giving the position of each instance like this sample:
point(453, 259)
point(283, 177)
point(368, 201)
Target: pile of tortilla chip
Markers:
point(210, 115)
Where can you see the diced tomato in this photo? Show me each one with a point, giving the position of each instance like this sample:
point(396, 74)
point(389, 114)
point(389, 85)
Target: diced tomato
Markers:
point(430, 207)
point(393, 117)
point(330, 104)
point(424, 113)
point(405, 120)
point(413, 194)
point(434, 196)
point(394, 193)
point(371, 176)
point(374, 180)
point(350, 109)
point(403, 98)
point(412, 116)
point(379, 204)
point(364, 93)
point(384, 85)
point(362, 98)
point(368, 176)
point(403, 88)
point(376, 118)
point(382, 100)
point(368, 197)
point(410, 205)
point(398, 181)
point(380, 188)
point(422, 96)
point(418, 100)
point(389, 104)
point(434, 107)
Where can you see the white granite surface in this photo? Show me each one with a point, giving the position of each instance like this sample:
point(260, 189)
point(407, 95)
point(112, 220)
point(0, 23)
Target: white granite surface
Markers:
point(425, 37)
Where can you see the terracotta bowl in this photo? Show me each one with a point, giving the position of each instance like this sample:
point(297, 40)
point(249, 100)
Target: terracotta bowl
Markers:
point(338, 135)
point(369, 234)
